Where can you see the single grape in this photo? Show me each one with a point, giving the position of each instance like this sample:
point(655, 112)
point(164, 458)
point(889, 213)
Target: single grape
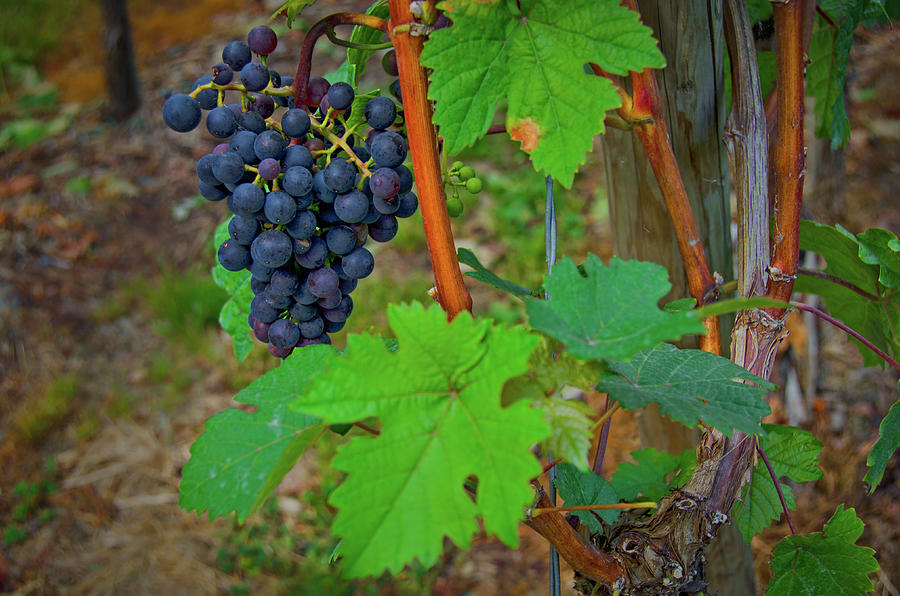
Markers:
point(220, 122)
point(220, 148)
point(323, 282)
point(228, 167)
point(409, 203)
point(270, 143)
point(384, 229)
point(466, 172)
point(272, 248)
point(456, 165)
point(380, 112)
point(362, 232)
point(253, 122)
point(259, 271)
point(284, 334)
point(331, 327)
point(284, 282)
point(204, 170)
point(301, 246)
point(295, 123)
point(208, 98)
point(312, 328)
point(315, 145)
point(454, 207)
point(316, 90)
point(340, 175)
point(358, 264)
point(386, 206)
point(370, 138)
point(222, 74)
point(330, 301)
point(389, 63)
point(297, 155)
point(248, 200)
point(303, 312)
point(243, 229)
point(315, 256)
point(255, 76)
point(388, 149)
point(269, 168)
point(279, 207)
point(280, 353)
point(236, 55)
point(474, 185)
point(276, 301)
point(181, 112)
point(257, 286)
point(340, 96)
point(242, 144)
point(262, 40)
point(384, 183)
point(261, 330)
point(340, 240)
point(372, 215)
point(303, 226)
point(262, 104)
point(351, 207)
point(406, 178)
point(211, 192)
point(320, 189)
point(340, 313)
point(262, 311)
point(348, 285)
point(297, 181)
point(304, 297)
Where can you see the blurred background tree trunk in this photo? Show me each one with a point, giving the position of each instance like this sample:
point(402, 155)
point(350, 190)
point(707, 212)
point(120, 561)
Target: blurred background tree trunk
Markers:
point(691, 37)
point(121, 73)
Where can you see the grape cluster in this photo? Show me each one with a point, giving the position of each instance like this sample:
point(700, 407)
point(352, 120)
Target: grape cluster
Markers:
point(306, 189)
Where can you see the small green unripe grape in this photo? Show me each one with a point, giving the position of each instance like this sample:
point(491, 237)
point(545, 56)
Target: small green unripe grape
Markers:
point(466, 172)
point(454, 207)
point(474, 185)
point(456, 165)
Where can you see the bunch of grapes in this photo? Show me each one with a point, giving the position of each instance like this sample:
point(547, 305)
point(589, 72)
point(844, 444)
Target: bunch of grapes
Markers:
point(306, 187)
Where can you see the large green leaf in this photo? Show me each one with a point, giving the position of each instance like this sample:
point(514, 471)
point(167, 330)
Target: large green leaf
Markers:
point(794, 454)
point(438, 399)
point(532, 55)
point(583, 487)
point(611, 312)
point(654, 473)
point(357, 58)
point(242, 457)
point(689, 385)
point(869, 262)
point(826, 562)
point(233, 316)
point(887, 443)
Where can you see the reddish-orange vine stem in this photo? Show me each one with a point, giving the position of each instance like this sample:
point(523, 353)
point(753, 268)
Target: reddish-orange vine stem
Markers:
point(304, 67)
point(451, 291)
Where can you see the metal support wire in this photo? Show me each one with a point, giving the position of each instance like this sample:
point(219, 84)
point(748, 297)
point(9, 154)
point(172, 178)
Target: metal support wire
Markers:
point(550, 254)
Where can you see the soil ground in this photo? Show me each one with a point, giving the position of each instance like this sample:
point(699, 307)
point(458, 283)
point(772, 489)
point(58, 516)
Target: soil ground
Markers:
point(111, 359)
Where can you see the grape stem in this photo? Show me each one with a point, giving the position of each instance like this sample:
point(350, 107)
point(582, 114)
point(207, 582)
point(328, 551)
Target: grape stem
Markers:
point(304, 67)
point(768, 464)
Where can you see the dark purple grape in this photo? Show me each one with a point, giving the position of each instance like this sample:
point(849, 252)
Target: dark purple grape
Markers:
point(384, 229)
point(228, 167)
point(276, 301)
point(279, 353)
point(255, 76)
point(384, 183)
point(362, 232)
point(358, 264)
point(340, 96)
point(304, 297)
point(295, 123)
point(284, 282)
point(270, 143)
point(362, 153)
point(409, 203)
point(262, 40)
point(339, 313)
point(220, 122)
point(263, 105)
point(279, 207)
point(303, 226)
point(315, 145)
point(320, 189)
point(372, 215)
point(272, 248)
point(330, 301)
point(323, 282)
point(253, 122)
point(297, 155)
point(380, 112)
point(340, 240)
point(208, 98)
point(297, 181)
point(370, 138)
point(222, 74)
point(303, 312)
point(316, 90)
point(347, 286)
point(261, 330)
point(284, 334)
point(257, 286)
point(204, 170)
point(248, 200)
point(262, 311)
point(269, 168)
point(312, 328)
point(406, 178)
point(243, 229)
point(339, 175)
point(212, 192)
point(181, 112)
point(315, 256)
point(234, 256)
point(388, 149)
point(301, 246)
point(331, 327)
point(389, 63)
point(236, 55)
point(259, 271)
point(351, 207)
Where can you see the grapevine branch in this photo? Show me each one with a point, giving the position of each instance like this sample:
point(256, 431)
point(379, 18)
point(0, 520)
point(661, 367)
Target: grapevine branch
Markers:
point(322, 27)
point(451, 291)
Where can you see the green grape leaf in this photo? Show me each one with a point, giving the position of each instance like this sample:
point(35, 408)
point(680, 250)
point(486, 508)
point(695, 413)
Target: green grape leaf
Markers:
point(357, 58)
point(611, 312)
point(867, 262)
point(242, 457)
point(438, 399)
point(826, 562)
point(291, 9)
point(793, 453)
point(583, 487)
point(233, 316)
point(887, 443)
point(484, 275)
point(571, 422)
point(654, 473)
point(689, 385)
point(533, 58)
